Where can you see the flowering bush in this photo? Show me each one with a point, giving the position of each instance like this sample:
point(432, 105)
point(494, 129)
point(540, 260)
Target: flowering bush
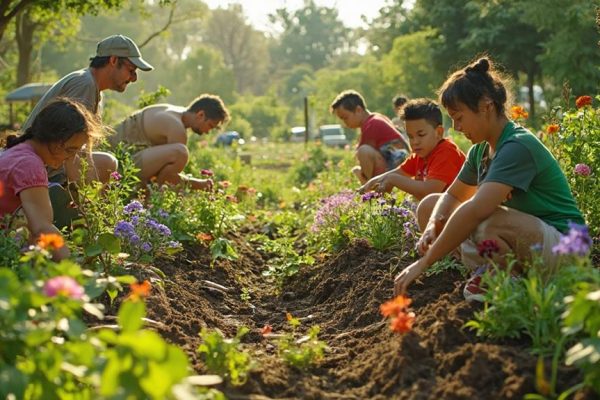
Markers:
point(374, 217)
point(573, 137)
point(142, 237)
point(531, 306)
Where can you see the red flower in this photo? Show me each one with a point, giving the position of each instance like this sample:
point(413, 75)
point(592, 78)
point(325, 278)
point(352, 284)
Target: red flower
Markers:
point(583, 101)
point(403, 322)
point(487, 248)
point(206, 172)
point(552, 129)
point(266, 330)
point(394, 306)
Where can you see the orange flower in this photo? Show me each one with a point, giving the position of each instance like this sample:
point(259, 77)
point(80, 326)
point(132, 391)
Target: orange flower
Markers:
point(251, 191)
point(394, 306)
point(139, 290)
point(204, 237)
point(518, 112)
point(552, 129)
point(403, 322)
point(266, 330)
point(224, 184)
point(50, 240)
point(583, 101)
point(242, 188)
point(288, 316)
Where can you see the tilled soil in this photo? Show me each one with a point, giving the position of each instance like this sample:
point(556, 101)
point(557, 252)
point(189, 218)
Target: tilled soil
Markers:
point(438, 359)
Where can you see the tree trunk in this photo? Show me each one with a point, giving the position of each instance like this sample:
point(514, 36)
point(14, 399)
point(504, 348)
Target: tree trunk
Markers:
point(25, 29)
point(7, 13)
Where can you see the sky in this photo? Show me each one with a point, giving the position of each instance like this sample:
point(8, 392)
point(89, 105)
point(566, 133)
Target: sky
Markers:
point(257, 10)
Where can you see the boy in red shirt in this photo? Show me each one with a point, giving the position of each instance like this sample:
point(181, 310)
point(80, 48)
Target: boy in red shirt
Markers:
point(434, 162)
point(381, 147)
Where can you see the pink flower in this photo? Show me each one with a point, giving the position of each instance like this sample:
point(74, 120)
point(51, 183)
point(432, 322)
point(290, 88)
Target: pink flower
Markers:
point(583, 170)
point(63, 286)
point(206, 172)
point(487, 248)
point(116, 176)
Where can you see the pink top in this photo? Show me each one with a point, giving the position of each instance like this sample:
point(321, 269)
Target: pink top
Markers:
point(20, 168)
point(378, 130)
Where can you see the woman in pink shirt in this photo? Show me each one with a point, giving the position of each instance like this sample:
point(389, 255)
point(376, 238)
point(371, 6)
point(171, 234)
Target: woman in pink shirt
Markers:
point(58, 133)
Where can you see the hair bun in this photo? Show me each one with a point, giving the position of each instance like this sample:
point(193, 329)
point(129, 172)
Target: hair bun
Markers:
point(481, 66)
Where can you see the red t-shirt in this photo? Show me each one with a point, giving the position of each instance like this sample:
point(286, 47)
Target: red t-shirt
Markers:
point(443, 163)
point(20, 168)
point(378, 130)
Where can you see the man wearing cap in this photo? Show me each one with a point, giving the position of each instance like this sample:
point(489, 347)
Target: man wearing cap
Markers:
point(114, 67)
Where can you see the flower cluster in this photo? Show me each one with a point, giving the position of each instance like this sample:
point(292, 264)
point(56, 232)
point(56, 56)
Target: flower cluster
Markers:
point(552, 129)
point(576, 242)
point(582, 170)
point(518, 112)
point(395, 309)
point(63, 286)
point(583, 101)
point(487, 248)
point(332, 208)
point(50, 240)
point(142, 235)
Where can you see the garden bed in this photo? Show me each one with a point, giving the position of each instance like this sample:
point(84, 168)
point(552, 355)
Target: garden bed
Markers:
point(437, 359)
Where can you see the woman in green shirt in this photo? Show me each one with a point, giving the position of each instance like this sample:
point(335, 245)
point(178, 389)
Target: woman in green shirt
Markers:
point(510, 193)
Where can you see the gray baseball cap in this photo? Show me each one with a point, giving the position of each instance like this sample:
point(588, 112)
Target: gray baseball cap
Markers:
point(122, 46)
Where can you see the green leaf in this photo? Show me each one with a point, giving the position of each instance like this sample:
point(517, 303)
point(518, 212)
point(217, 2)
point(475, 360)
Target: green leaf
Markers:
point(93, 250)
point(110, 243)
point(130, 315)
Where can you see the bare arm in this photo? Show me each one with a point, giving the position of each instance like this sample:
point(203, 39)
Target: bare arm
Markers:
point(38, 211)
point(465, 218)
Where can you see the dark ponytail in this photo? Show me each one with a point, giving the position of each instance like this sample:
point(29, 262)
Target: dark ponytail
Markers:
point(469, 85)
point(13, 140)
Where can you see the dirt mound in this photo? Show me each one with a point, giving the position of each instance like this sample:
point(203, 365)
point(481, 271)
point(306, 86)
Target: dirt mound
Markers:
point(438, 359)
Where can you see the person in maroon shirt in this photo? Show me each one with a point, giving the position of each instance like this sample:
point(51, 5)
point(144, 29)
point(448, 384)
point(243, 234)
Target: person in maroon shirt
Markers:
point(381, 147)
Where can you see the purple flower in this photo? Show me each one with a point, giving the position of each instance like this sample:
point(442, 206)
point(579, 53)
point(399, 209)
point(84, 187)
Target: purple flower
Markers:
point(369, 195)
point(63, 286)
point(173, 244)
point(146, 247)
point(583, 170)
point(162, 213)
point(134, 239)
point(576, 242)
point(133, 207)
point(115, 175)
point(124, 229)
point(332, 208)
point(409, 229)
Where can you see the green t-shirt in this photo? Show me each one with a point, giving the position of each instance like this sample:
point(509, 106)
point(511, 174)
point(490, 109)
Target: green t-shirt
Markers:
point(540, 187)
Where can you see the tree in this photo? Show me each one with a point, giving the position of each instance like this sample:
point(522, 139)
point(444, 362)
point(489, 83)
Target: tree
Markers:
point(312, 35)
point(244, 48)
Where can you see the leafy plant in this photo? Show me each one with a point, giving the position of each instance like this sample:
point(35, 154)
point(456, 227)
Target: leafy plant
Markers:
point(302, 352)
point(223, 356)
point(284, 260)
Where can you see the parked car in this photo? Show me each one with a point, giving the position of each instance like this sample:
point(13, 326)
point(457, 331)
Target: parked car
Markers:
point(227, 138)
point(297, 134)
point(333, 135)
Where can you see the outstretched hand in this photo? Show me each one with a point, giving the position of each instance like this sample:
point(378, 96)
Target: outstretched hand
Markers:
point(407, 275)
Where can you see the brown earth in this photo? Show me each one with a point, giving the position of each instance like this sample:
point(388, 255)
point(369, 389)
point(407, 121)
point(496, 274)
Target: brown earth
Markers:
point(437, 359)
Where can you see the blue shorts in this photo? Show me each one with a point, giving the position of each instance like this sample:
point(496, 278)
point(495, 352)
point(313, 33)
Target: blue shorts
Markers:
point(393, 155)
